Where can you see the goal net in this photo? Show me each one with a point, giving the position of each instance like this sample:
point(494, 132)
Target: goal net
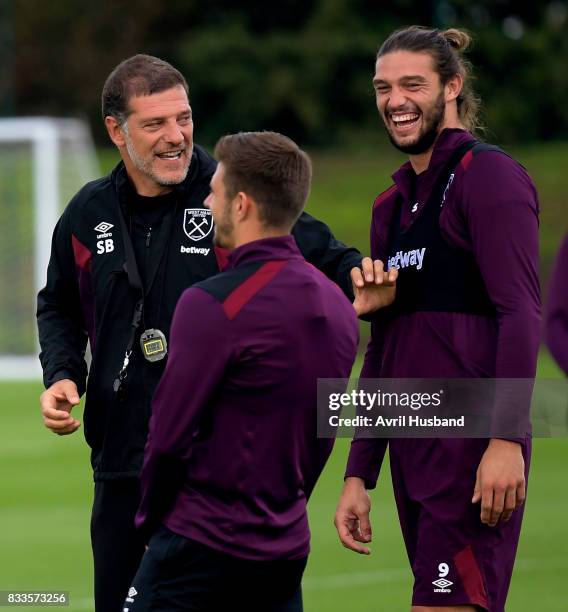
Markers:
point(43, 163)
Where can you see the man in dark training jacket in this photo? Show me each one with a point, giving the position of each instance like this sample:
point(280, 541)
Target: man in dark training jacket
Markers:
point(124, 250)
point(461, 225)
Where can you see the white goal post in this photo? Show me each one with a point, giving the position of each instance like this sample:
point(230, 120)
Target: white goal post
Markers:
point(43, 162)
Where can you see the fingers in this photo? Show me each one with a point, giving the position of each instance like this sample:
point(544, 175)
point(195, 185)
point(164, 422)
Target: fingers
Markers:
point(72, 428)
point(379, 274)
point(486, 504)
point(373, 272)
point(346, 527)
point(392, 275)
point(56, 406)
point(62, 428)
point(56, 422)
point(476, 489)
point(521, 493)
point(510, 504)
point(368, 267)
point(497, 507)
point(365, 531)
point(357, 278)
point(67, 390)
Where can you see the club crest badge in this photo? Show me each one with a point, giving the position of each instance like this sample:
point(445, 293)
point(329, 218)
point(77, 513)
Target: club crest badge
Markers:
point(197, 223)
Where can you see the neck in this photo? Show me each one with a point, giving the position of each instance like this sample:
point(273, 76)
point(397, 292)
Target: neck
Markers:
point(421, 161)
point(144, 185)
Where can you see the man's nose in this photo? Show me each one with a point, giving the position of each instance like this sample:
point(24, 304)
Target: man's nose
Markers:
point(173, 134)
point(397, 99)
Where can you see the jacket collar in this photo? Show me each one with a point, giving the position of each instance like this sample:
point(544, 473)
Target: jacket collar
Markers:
point(419, 186)
point(265, 249)
point(202, 166)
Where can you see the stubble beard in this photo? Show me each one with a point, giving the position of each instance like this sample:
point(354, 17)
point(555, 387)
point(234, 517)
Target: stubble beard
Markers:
point(224, 230)
point(144, 164)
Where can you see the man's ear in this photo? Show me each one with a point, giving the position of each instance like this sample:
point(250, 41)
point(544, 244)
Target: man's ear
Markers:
point(115, 131)
point(244, 206)
point(453, 87)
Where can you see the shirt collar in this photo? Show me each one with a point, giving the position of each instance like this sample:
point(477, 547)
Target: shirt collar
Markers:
point(406, 179)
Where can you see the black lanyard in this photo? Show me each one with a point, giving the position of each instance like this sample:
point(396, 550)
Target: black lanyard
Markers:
point(135, 282)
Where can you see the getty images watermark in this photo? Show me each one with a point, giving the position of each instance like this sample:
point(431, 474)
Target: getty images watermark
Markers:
point(451, 408)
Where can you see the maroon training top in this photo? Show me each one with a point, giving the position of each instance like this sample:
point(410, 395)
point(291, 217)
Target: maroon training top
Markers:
point(490, 210)
point(557, 311)
point(233, 453)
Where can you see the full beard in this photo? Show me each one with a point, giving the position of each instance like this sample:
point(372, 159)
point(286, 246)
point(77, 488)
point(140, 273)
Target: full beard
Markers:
point(429, 132)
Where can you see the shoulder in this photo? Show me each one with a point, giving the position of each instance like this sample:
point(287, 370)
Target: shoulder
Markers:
point(235, 288)
point(492, 165)
point(206, 163)
point(222, 285)
point(388, 195)
point(490, 177)
point(92, 189)
point(94, 194)
point(89, 192)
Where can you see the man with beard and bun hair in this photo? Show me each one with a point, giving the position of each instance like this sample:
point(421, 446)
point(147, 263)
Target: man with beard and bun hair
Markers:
point(471, 309)
point(123, 252)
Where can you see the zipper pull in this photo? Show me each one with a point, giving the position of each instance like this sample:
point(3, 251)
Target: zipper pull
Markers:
point(148, 235)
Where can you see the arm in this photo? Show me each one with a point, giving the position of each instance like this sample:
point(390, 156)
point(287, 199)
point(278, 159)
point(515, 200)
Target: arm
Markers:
point(502, 219)
point(62, 334)
point(320, 247)
point(557, 310)
point(200, 350)
point(366, 455)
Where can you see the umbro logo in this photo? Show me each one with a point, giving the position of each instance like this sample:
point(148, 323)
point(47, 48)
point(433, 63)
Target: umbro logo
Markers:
point(103, 227)
point(442, 583)
point(129, 598)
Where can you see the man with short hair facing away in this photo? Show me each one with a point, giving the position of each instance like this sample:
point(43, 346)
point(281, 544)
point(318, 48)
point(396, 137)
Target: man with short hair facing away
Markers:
point(233, 453)
point(124, 250)
point(468, 307)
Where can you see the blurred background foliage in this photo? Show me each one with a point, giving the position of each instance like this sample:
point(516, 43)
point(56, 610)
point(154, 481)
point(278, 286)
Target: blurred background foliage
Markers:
point(302, 67)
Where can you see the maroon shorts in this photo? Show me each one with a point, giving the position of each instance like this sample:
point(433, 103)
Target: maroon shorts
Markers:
point(455, 559)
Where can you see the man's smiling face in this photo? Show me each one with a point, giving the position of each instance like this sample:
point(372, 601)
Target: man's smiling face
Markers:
point(158, 140)
point(410, 99)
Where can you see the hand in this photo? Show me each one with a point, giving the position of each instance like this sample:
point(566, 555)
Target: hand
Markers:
point(500, 481)
point(373, 287)
point(352, 516)
point(56, 405)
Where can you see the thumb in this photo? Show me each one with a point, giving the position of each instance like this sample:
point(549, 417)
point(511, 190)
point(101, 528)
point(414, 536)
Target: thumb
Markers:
point(476, 490)
point(71, 393)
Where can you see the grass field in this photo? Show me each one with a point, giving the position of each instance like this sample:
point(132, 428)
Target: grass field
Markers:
point(47, 486)
point(45, 505)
